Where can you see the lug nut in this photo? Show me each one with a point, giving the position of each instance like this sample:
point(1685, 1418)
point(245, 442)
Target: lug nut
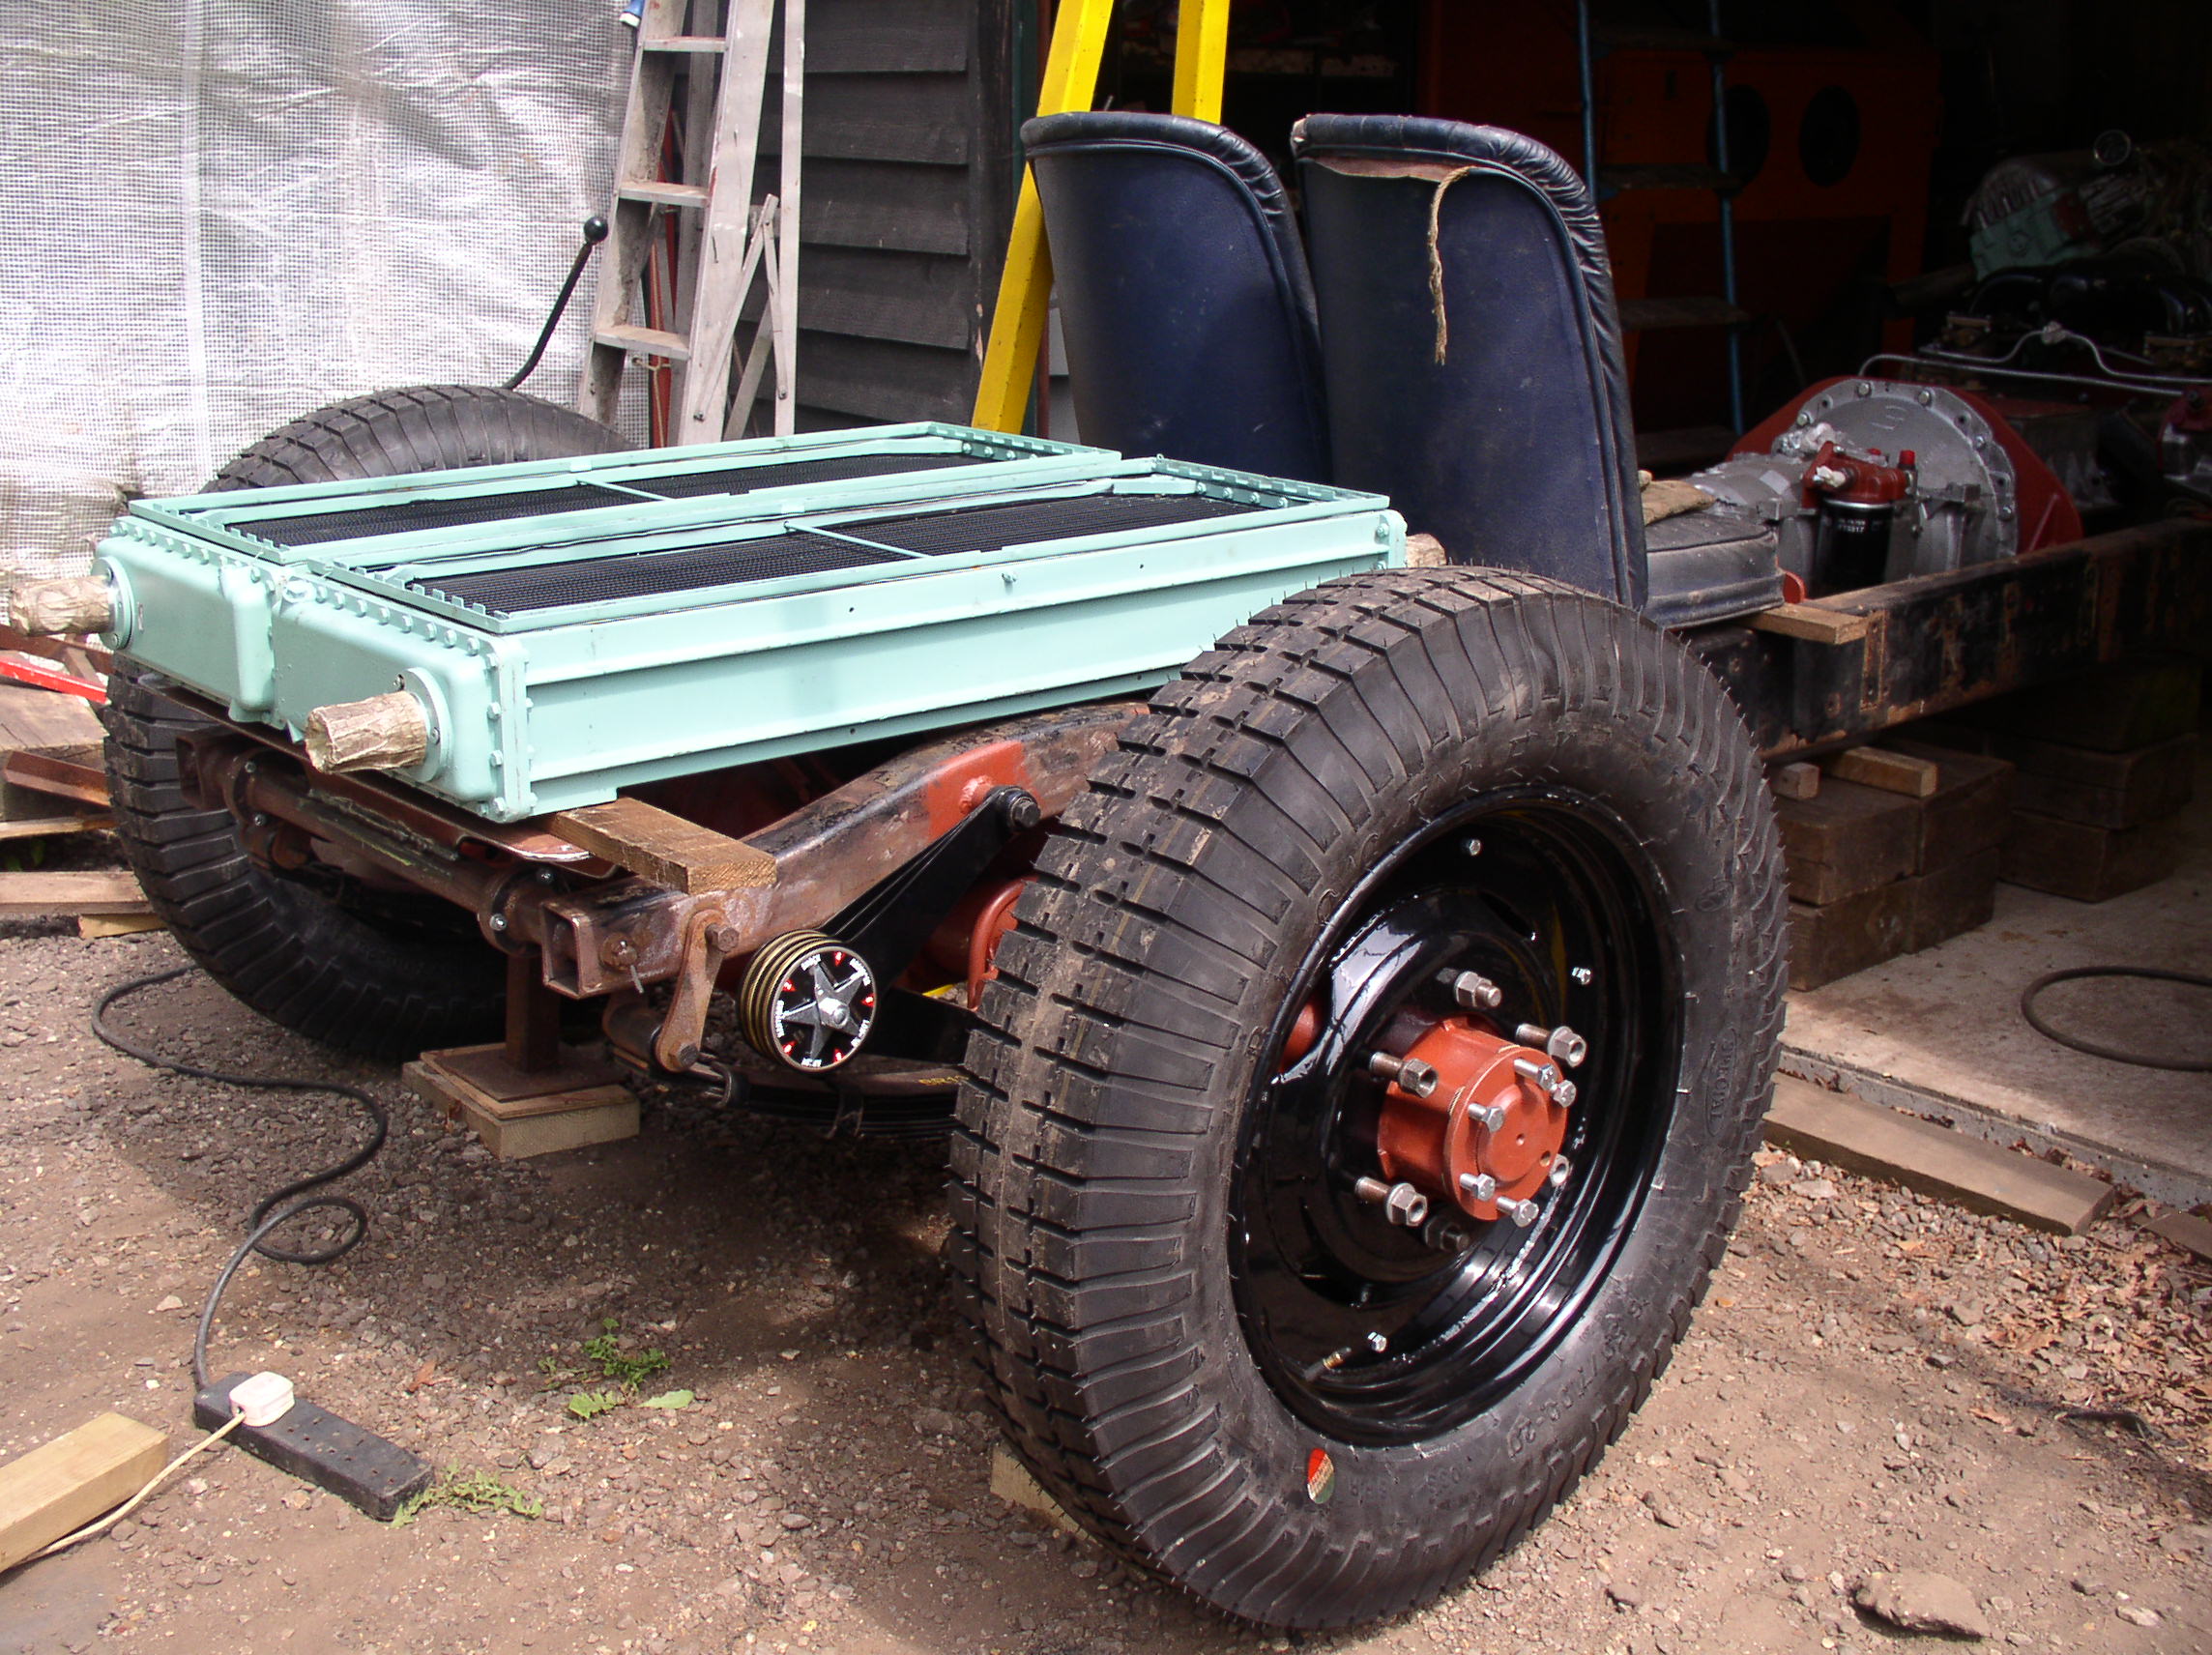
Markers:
point(1401, 1203)
point(1480, 1186)
point(1545, 1075)
point(1411, 1074)
point(1473, 991)
point(1561, 1170)
point(1490, 1117)
point(1561, 1043)
point(1564, 1094)
point(1522, 1212)
point(1377, 1342)
point(1583, 975)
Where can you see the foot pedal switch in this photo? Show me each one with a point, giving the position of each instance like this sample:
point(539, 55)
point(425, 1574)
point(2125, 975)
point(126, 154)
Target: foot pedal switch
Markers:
point(317, 1446)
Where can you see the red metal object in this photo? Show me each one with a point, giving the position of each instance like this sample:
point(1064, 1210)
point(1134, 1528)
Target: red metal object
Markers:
point(1435, 1142)
point(2048, 516)
point(45, 678)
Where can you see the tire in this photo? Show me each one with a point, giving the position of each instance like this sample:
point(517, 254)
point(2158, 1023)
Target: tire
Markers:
point(1393, 774)
point(364, 970)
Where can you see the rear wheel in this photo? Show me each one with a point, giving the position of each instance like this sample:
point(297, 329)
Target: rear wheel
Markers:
point(372, 972)
point(1368, 1087)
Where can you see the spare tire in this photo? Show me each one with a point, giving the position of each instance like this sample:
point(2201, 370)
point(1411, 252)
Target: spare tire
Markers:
point(367, 971)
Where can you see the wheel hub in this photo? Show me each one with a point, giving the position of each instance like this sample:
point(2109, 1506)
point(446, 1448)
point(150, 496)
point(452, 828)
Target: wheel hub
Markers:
point(1485, 1132)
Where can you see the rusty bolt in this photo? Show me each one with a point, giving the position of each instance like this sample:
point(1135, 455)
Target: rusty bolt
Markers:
point(724, 938)
point(618, 953)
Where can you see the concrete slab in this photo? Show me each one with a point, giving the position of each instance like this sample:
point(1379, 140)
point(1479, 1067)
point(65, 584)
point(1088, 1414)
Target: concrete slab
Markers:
point(1940, 1033)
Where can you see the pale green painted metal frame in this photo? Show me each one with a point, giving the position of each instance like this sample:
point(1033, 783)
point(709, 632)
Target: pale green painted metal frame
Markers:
point(549, 710)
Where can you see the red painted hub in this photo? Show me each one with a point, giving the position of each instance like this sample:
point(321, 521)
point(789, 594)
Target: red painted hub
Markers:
point(1434, 1142)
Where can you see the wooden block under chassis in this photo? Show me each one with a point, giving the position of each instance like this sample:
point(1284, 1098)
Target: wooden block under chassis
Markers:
point(521, 1113)
point(1833, 940)
point(1846, 839)
point(2089, 864)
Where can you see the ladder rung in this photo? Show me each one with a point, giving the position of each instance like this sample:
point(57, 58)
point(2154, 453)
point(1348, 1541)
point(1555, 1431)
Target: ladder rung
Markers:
point(666, 192)
point(1688, 311)
point(644, 341)
point(684, 44)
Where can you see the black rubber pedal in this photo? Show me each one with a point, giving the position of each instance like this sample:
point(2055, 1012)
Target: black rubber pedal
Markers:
point(317, 1446)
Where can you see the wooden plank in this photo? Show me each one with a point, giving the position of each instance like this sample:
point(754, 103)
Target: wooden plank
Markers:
point(71, 893)
point(1833, 940)
point(40, 827)
point(1810, 623)
point(39, 721)
point(1892, 773)
point(93, 926)
point(1862, 1137)
point(517, 1128)
point(57, 1489)
point(2185, 1230)
point(2089, 864)
point(69, 777)
point(664, 848)
point(1846, 839)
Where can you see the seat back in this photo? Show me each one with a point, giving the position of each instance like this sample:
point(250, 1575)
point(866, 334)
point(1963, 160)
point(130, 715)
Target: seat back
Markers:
point(1469, 344)
point(1184, 302)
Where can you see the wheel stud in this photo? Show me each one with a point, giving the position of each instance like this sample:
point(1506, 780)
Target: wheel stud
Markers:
point(1479, 1186)
point(1561, 1043)
point(1402, 1202)
point(1490, 1117)
point(1412, 1075)
point(1473, 991)
point(1545, 1075)
point(1522, 1212)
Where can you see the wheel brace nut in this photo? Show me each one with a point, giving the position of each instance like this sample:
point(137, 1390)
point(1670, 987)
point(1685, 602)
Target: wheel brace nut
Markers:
point(1486, 1135)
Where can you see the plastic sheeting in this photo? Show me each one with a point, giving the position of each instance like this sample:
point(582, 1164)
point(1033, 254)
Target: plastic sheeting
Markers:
point(222, 214)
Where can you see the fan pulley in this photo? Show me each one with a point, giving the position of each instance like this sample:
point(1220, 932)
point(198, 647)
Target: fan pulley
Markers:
point(807, 1002)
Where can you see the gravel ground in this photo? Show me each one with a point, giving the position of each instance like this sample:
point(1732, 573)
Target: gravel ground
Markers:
point(1878, 1386)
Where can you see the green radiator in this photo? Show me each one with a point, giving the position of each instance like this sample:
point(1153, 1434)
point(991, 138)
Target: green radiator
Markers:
point(568, 628)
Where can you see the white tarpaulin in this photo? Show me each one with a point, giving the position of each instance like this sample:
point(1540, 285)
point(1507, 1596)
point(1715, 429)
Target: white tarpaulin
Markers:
point(221, 213)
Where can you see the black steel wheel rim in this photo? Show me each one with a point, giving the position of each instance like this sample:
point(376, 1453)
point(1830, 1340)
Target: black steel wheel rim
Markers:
point(1368, 1331)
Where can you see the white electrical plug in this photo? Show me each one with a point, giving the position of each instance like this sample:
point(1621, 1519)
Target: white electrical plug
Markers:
point(264, 1398)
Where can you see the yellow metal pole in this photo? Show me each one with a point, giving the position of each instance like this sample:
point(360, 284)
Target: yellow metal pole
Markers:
point(1201, 58)
point(1025, 288)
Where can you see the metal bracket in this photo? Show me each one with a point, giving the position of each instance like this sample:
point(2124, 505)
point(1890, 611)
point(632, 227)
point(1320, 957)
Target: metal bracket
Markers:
point(889, 925)
point(707, 938)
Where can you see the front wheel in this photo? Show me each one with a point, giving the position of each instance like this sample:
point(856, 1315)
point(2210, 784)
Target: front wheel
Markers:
point(1368, 1087)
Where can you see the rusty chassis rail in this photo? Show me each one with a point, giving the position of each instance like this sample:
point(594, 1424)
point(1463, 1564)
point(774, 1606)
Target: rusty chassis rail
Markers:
point(1876, 658)
point(1945, 641)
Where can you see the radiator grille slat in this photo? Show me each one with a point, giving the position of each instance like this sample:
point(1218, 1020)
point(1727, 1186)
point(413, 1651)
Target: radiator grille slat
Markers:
point(410, 516)
point(649, 574)
point(1019, 523)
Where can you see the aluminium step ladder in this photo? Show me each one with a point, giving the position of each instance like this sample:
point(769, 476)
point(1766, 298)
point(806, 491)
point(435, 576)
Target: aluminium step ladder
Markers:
point(687, 316)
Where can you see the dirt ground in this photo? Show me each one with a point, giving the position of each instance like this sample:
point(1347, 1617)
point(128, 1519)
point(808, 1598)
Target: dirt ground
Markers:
point(1876, 1384)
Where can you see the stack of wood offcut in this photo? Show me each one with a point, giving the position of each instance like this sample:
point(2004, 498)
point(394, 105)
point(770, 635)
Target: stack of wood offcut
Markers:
point(2104, 763)
point(1890, 850)
point(52, 784)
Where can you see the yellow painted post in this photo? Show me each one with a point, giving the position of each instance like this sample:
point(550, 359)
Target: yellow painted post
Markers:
point(1025, 287)
point(1201, 58)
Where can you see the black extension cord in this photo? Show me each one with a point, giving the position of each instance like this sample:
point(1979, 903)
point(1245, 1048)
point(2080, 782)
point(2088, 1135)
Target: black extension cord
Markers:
point(275, 1209)
point(2117, 1053)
